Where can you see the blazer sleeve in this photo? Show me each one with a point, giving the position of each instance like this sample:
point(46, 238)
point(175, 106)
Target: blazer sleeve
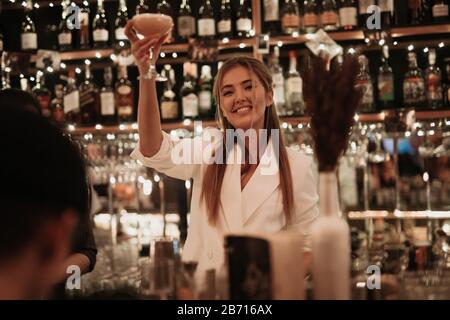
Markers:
point(177, 159)
point(306, 200)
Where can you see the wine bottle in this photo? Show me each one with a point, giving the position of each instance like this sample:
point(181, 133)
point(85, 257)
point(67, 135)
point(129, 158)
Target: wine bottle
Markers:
point(440, 11)
point(186, 21)
point(414, 96)
point(310, 16)
point(206, 23)
point(142, 7)
point(188, 92)
point(329, 16)
point(121, 22)
point(363, 14)
point(278, 83)
point(124, 96)
point(108, 112)
point(65, 33)
point(89, 99)
point(224, 25)
point(348, 14)
point(169, 104)
point(205, 93)
point(364, 82)
point(386, 93)
point(164, 7)
point(42, 94)
point(272, 16)
point(433, 78)
point(100, 26)
point(28, 34)
point(294, 88)
point(244, 20)
point(290, 17)
point(84, 25)
point(71, 99)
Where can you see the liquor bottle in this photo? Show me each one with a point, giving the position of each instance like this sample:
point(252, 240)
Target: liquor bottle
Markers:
point(28, 34)
point(433, 79)
point(426, 15)
point(329, 15)
point(89, 99)
point(414, 11)
point(348, 14)
point(164, 7)
point(365, 83)
point(363, 14)
point(294, 88)
point(205, 101)
point(124, 96)
point(206, 27)
point(57, 106)
point(65, 33)
point(108, 113)
point(100, 26)
point(290, 17)
point(387, 13)
point(272, 16)
point(24, 83)
point(169, 104)
point(142, 7)
point(414, 96)
point(224, 27)
point(71, 99)
point(310, 16)
point(278, 83)
point(186, 21)
point(6, 78)
point(440, 11)
point(188, 92)
point(386, 93)
point(121, 22)
point(42, 94)
point(84, 25)
point(244, 20)
point(447, 83)
point(2, 42)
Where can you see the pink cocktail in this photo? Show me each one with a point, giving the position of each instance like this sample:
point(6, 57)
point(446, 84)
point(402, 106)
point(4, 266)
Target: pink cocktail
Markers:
point(152, 25)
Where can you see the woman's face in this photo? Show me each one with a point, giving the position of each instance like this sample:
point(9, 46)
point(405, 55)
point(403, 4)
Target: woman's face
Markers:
point(243, 101)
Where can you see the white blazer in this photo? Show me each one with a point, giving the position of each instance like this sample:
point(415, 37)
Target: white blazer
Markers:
point(258, 208)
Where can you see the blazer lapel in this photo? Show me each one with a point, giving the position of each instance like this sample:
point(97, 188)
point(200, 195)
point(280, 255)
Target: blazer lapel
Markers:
point(230, 196)
point(262, 184)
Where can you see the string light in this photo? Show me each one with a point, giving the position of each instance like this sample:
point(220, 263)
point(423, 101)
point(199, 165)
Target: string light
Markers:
point(366, 40)
point(351, 51)
point(441, 45)
point(395, 43)
point(174, 55)
point(78, 70)
point(87, 62)
point(410, 47)
point(381, 42)
point(98, 127)
point(425, 49)
point(266, 37)
point(62, 65)
point(98, 55)
point(242, 45)
point(51, 4)
point(225, 40)
point(280, 43)
point(36, 5)
point(162, 55)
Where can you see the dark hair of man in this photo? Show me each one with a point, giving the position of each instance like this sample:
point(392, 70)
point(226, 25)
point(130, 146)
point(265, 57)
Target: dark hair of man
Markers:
point(42, 174)
point(14, 98)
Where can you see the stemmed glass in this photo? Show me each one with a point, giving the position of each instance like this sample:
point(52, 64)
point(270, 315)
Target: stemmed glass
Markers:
point(378, 155)
point(152, 24)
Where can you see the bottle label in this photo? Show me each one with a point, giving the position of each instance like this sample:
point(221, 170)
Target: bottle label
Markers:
point(271, 10)
point(29, 41)
point(440, 10)
point(169, 110)
point(348, 16)
point(206, 27)
point(186, 26)
point(367, 89)
point(84, 19)
point(124, 90)
point(190, 105)
point(120, 34)
point(310, 20)
point(294, 85)
point(414, 90)
point(24, 84)
point(65, 38)
point(329, 17)
point(386, 5)
point(290, 21)
point(224, 26)
point(125, 110)
point(100, 35)
point(448, 96)
point(386, 88)
point(1, 44)
point(278, 83)
point(244, 24)
point(84, 28)
point(204, 98)
point(434, 87)
point(72, 102)
point(107, 103)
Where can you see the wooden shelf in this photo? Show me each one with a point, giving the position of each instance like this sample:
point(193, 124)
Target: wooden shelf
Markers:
point(397, 214)
point(284, 121)
point(420, 30)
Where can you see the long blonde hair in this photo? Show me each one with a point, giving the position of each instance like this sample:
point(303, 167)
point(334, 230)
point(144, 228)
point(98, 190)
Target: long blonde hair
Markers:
point(214, 173)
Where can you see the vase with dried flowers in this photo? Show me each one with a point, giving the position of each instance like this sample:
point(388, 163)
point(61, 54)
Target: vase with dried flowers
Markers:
point(331, 99)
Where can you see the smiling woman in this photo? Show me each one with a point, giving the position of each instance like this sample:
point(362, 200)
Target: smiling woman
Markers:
point(231, 196)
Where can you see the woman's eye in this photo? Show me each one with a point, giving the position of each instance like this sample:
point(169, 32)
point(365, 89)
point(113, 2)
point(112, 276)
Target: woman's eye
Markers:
point(227, 93)
point(249, 87)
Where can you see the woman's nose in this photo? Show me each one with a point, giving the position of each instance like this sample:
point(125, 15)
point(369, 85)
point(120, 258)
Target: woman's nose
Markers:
point(240, 95)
